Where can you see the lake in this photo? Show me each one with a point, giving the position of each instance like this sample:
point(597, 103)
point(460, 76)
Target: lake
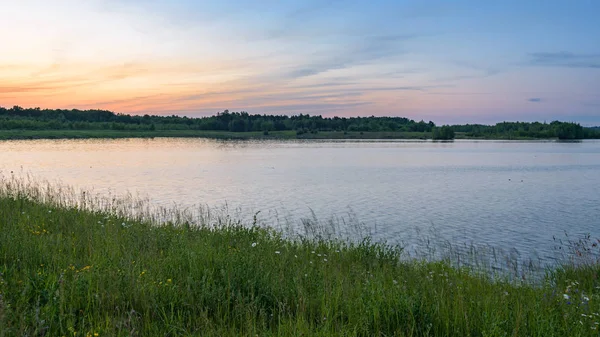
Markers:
point(499, 193)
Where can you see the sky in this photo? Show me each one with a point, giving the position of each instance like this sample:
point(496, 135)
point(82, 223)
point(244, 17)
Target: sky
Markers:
point(461, 61)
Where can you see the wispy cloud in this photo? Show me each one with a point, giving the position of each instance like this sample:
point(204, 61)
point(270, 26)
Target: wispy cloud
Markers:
point(591, 104)
point(565, 59)
point(426, 58)
point(360, 52)
point(459, 93)
point(473, 71)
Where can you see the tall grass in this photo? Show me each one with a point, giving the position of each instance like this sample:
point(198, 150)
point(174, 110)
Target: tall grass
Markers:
point(72, 264)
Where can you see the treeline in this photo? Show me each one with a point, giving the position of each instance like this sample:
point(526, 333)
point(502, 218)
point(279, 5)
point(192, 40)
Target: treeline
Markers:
point(511, 130)
point(18, 118)
point(39, 119)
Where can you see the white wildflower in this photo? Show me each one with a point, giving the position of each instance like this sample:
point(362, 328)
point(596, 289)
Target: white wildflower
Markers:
point(566, 296)
point(254, 244)
point(277, 252)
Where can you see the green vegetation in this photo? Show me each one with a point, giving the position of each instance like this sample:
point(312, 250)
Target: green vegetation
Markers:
point(444, 133)
point(72, 265)
point(21, 123)
point(80, 134)
point(521, 130)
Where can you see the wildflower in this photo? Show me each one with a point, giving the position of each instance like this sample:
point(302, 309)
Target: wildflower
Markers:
point(277, 252)
point(296, 256)
point(254, 244)
point(585, 298)
point(566, 296)
point(49, 211)
point(319, 255)
point(324, 260)
point(313, 252)
point(169, 280)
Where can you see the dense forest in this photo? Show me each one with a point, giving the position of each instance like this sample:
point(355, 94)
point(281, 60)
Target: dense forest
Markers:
point(18, 118)
point(556, 129)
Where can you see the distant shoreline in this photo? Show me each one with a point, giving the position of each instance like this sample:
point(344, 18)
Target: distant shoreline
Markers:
point(27, 123)
point(276, 135)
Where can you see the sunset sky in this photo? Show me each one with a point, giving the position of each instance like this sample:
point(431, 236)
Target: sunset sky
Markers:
point(447, 61)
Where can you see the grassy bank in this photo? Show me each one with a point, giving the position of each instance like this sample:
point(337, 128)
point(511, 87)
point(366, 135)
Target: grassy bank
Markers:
point(114, 134)
point(68, 270)
point(82, 134)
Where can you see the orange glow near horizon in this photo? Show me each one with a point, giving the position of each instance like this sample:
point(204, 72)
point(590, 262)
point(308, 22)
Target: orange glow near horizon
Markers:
point(197, 58)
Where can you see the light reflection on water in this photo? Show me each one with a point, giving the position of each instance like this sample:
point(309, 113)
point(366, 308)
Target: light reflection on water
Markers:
point(505, 194)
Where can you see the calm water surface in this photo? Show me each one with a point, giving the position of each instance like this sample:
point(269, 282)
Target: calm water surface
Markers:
point(506, 194)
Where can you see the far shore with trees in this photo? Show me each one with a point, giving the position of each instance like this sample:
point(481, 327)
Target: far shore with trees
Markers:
point(32, 123)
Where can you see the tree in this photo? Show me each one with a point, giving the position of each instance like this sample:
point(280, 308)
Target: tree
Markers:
point(444, 133)
point(569, 131)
